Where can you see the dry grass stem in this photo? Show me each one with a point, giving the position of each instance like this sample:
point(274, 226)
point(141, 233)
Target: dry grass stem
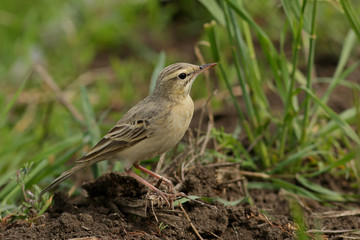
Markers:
point(160, 162)
point(207, 137)
point(191, 224)
point(86, 238)
point(332, 231)
point(59, 94)
point(201, 203)
point(219, 95)
point(91, 76)
point(223, 164)
point(336, 214)
point(255, 174)
point(232, 181)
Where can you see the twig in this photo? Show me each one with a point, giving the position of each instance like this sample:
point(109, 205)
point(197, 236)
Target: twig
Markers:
point(255, 174)
point(160, 163)
point(60, 96)
point(91, 76)
point(182, 171)
point(207, 137)
point(348, 237)
point(191, 224)
point(153, 211)
point(294, 197)
point(332, 231)
point(208, 88)
point(232, 181)
point(202, 61)
point(335, 214)
point(202, 203)
point(218, 165)
point(85, 238)
point(215, 235)
point(219, 95)
point(191, 152)
point(256, 140)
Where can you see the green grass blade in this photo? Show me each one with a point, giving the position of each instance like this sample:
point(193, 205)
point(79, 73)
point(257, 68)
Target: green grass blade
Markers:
point(236, 40)
point(90, 121)
point(298, 216)
point(348, 47)
point(266, 44)
point(215, 10)
point(295, 189)
point(8, 173)
point(262, 185)
point(348, 115)
point(14, 188)
point(288, 12)
point(58, 166)
point(39, 160)
point(278, 184)
point(293, 158)
point(345, 159)
point(327, 194)
point(159, 66)
point(291, 101)
point(7, 108)
point(293, 13)
point(210, 32)
point(309, 72)
point(255, 72)
point(334, 116)
point(93, 129)
point(352, 16)
point(244, 15)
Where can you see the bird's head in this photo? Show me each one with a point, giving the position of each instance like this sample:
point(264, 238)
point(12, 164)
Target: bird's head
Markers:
point(176, 80)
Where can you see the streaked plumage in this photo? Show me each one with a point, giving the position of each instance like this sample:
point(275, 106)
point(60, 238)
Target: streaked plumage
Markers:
point(150, 128)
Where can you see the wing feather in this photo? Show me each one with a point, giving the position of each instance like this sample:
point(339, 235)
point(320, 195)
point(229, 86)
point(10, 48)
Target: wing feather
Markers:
point(121, 136)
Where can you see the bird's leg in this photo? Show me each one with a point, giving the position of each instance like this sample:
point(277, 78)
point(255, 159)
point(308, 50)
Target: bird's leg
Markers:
point(169, 198)
point(155, 175)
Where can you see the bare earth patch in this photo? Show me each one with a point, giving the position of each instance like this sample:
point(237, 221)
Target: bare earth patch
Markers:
point(115, 209)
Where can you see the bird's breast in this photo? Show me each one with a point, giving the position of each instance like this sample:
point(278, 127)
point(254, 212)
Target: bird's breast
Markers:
point(175, 123)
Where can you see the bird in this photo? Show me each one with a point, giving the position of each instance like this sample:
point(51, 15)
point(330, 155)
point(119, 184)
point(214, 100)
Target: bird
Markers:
point(150, 128)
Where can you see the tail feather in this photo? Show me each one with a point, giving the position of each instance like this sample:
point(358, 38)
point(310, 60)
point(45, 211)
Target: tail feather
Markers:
point(65, 175)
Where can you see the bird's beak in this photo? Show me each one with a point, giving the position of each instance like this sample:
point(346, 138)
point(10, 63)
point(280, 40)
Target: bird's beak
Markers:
point(206, 66)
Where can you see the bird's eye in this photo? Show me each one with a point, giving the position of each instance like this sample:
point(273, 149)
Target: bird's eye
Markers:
point(182, 75)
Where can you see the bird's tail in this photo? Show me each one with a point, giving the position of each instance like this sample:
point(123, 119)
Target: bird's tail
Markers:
point(65, 175)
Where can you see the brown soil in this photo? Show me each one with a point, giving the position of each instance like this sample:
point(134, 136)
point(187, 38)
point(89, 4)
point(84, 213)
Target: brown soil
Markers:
point(115, 209)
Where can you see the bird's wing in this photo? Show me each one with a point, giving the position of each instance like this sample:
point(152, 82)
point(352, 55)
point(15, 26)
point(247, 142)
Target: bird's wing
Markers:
point(120, 137)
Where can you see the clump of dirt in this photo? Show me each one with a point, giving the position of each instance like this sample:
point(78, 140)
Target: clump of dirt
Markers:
point(116, 208)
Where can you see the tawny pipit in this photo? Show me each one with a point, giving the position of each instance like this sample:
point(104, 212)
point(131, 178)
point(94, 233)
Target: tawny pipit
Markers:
point(150, 128)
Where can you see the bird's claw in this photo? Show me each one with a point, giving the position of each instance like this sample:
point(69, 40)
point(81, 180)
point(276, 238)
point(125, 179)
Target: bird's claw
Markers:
point(161, 198)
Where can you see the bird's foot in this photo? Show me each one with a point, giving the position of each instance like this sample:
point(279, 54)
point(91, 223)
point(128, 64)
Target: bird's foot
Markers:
point(161, 179)
point(167, 198)
point(167, 182)
point(160, 198)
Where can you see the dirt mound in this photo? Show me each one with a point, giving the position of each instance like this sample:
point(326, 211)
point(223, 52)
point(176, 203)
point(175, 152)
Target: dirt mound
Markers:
point(115, 209)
